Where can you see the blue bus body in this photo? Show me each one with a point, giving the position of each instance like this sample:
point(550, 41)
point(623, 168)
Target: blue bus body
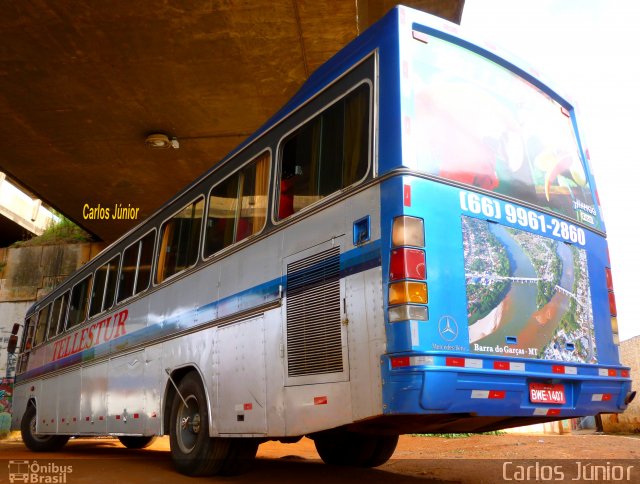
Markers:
point(462, 270)
point(450, 374)
point(432, 387)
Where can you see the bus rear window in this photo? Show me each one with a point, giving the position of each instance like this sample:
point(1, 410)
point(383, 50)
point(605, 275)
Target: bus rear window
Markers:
point(326, 154)
point(478, 123)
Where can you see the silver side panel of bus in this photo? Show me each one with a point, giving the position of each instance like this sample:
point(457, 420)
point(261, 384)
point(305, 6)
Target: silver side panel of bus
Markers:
point(241, 378)
point(93, 399)
point(243, 362)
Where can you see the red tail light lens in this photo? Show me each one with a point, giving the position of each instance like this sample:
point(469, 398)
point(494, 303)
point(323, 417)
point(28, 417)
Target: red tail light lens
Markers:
point(612, 304)
point(400, 361)
point(407, 264)
point(609, 278)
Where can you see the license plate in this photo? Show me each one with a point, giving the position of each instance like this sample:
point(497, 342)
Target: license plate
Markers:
point(545, 393)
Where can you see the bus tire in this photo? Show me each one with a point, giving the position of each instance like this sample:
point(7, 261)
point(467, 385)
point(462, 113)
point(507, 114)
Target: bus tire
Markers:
point(136, 442)
point(385, 447)
point(345, 448)
point(193, 452)
point(242, 454)
point(34, 441)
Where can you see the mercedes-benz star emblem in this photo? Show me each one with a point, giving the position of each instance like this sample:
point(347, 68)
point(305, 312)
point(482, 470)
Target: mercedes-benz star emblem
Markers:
point(448, 328)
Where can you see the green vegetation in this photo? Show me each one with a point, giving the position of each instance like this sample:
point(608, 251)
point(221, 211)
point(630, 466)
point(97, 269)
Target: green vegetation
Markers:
point(460, 435)
point(62, 232)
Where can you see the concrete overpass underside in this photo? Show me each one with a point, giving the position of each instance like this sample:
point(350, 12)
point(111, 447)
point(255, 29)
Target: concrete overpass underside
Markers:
point(83, 83)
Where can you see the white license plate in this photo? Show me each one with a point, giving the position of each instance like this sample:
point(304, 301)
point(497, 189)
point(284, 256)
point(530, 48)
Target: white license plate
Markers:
point(545, 393)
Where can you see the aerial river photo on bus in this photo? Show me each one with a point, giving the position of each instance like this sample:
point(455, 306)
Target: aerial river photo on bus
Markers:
point(527, 295)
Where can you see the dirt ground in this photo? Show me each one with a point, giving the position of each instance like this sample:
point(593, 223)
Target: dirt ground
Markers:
point(475, 459)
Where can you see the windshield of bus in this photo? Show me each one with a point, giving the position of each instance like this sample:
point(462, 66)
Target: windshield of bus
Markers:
point(478, 123)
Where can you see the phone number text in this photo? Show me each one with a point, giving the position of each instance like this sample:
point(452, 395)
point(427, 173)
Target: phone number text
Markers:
point(494, 209)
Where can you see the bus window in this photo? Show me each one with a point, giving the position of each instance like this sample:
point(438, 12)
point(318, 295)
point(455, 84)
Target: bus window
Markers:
point(41, 328)
point(30, 326)
point(326, 154)
point(253, 198)
point(229, 221)
point(79, 302)
point(104, 286)
point(136, 267)
point(221, 216)
point(58, 314)
point(128, 271)
point(112, 282)
point(146, 257)
point(179, 241)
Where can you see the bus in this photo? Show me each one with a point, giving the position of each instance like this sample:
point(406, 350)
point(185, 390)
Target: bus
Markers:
point(414, 243)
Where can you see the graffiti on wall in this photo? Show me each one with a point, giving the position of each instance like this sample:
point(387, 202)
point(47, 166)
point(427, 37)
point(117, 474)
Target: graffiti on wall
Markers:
point(6, 392)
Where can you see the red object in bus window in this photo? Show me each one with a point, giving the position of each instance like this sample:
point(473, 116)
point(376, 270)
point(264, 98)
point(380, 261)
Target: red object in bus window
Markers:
point(244, 229)
point(286, 198)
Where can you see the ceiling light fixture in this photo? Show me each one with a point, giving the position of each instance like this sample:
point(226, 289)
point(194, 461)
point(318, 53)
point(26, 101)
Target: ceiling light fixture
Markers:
point(161, 141)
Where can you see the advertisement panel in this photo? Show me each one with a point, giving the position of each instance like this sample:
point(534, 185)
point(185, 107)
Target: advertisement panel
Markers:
point(476, 122)
point(527, 295)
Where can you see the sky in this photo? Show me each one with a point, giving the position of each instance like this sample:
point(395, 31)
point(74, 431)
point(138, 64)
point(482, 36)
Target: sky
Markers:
point(589, 51)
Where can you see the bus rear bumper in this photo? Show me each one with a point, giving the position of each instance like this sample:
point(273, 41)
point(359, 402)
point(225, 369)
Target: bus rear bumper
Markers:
point(440, 384)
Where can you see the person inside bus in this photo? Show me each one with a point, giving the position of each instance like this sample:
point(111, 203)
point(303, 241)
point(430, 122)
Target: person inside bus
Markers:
point(287, 192)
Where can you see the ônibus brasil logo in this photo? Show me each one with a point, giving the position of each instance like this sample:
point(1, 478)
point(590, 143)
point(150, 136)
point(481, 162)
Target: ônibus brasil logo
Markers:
point(34, 472)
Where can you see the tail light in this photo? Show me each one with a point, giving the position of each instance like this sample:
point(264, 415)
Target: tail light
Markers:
point(407, 263)
point(408, 292)
point(407, 312)
point(407, 231)
point(613, 311)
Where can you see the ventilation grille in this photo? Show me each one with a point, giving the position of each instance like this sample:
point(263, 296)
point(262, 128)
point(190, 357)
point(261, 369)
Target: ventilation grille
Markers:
point(314, 343)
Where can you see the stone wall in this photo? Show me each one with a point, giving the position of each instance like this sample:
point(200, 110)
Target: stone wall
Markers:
point(27, 274)
point(629, 421)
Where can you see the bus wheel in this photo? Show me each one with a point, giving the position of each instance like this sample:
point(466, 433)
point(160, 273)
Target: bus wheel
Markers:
point(136, 442)
point(38, 442)
point(194, 453)
point(242, 454)
point(354, 449)
point(385, 447)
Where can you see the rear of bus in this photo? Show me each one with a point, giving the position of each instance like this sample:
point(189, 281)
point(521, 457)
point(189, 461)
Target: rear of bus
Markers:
point(500, 308)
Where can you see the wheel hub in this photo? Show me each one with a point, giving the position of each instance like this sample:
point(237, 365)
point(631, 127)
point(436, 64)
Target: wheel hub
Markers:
point(191, 423)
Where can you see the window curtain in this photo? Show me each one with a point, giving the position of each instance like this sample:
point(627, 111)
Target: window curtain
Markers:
point(167, 236)
point(356, 127)
point(259, 214)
